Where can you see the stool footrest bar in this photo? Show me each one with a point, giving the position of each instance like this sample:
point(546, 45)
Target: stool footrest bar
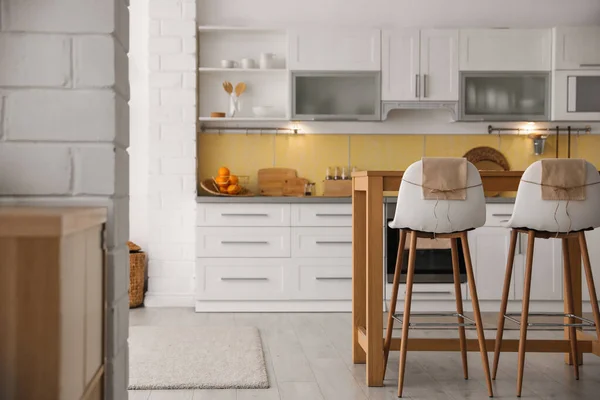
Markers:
point(584, 321)
point(424, 325)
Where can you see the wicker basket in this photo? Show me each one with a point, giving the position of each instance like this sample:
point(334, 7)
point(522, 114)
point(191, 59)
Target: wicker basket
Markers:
point(137, 272)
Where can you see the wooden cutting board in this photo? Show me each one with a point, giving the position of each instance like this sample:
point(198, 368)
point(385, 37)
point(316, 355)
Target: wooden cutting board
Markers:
point(294, 186)
point(272, 180)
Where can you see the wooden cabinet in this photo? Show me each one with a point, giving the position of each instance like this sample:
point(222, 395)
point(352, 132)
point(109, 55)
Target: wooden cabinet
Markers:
point(52, 294)
point(505, 49)
point(420, 65)
point(576, 48)
point(355, 49)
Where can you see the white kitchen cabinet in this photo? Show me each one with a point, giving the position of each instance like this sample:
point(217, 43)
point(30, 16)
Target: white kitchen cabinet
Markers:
point(321, 278)
point(439, 64)
point(420, 65)
point(546, 282)
point(335, 49)
point(593, 244)
point(400, 60)
point(323, 242)
point(235, 214)
point(243, 242)
point(505, 49)
point(322, 214)
point(576, 48)
point(489, 252)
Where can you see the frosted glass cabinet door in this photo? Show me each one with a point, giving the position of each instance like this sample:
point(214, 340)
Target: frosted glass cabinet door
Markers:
point(505, 96)
point(352, 96)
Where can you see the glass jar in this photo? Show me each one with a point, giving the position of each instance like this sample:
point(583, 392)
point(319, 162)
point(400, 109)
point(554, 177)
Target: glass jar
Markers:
point(309, 189)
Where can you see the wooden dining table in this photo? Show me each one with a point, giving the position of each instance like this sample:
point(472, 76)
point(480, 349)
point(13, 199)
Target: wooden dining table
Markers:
point(368, 279)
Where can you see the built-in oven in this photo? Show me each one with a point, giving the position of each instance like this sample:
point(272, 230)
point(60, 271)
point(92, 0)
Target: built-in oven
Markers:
point(576, 95)
point(434, 258)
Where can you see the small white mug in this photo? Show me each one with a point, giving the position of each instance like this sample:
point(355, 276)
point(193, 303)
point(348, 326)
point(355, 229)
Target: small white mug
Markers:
point(228, 64)
point(248, 63)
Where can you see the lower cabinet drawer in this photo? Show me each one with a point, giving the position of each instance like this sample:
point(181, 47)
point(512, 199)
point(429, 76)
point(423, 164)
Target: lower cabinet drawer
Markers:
point(240, 279)
point(242, 242)
point(322, 279)
point(322, 242)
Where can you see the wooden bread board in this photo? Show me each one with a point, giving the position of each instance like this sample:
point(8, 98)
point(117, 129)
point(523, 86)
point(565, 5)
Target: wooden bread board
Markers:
point(294, 187)
point(337, 188)
point(271, 181)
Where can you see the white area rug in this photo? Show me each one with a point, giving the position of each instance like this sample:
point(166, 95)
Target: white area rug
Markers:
point(196, 358)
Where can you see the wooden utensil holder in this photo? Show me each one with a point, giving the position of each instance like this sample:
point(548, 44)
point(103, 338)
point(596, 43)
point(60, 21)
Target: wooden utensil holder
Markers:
point(337, 188)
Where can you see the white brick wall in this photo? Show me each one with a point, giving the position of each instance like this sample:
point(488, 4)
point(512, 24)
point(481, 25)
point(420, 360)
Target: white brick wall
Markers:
point(167, 224)
point(64, 128)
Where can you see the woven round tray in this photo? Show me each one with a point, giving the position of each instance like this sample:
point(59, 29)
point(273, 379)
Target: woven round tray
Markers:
point(484, 153)
point(210, 186)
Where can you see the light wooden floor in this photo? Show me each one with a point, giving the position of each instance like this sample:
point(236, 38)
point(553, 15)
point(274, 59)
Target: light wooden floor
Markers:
point(309, 358)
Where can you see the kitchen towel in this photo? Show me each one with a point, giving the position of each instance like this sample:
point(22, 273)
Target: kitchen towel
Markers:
point(563, 179)
point(444, 178)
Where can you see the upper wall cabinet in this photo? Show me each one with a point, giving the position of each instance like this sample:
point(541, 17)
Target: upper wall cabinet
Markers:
point(577, 48)
point(505, 49)
point(332, 49)
point(420, 65)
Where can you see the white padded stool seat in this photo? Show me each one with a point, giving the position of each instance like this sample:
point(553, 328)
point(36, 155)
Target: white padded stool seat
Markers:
point(531, 212)
point(438, 216)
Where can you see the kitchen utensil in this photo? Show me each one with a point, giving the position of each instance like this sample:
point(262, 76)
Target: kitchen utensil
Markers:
point(337, 173)
point(329, 174)
point(345, 173)
point(217, 114)
point(338, 188)
point(248, 63)
point(228, 64)
point(294, 186)
point(266, 60)
point(228, 87)
point(240, 88)
point(272, 180)
point(262, 111)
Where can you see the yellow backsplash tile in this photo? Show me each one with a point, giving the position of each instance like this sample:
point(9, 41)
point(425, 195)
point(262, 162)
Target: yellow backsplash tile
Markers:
point(310, 155)
point(385, 152)
point(242, 154)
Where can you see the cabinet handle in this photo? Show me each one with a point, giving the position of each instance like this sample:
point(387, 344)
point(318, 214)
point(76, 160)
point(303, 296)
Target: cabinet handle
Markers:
point(589, 65)
point(244, 242)
point(244, 279)
point(334, 242)
point(243, 215)
point(424, 85)
point(335, 119)
point(501, 215)
point(332, 215)
point(333, 278)
point(417, 86)
point(504, 220)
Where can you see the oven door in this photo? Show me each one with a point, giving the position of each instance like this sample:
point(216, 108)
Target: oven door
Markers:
point(575, 96)
point(433, 262)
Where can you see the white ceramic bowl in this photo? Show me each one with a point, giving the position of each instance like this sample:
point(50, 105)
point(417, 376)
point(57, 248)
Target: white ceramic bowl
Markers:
point(262, 111)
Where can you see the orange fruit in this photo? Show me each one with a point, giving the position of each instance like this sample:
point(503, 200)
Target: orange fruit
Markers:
point(224, 171)
point(222, 181)
point(233, 180)
point(223, 189)
point(234, 189)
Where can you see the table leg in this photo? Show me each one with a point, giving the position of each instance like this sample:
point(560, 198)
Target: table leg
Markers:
point(359, 271)
point(374, 268)
point(575, 263)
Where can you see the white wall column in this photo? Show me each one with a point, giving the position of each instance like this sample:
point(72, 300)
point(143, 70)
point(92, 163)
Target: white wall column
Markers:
point(64, 128)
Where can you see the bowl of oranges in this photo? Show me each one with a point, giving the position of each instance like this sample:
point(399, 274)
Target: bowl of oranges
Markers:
point(226, 184)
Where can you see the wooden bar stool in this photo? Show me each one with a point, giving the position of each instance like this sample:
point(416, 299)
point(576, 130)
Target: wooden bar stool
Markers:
point(573, 209)
point(443, 217)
